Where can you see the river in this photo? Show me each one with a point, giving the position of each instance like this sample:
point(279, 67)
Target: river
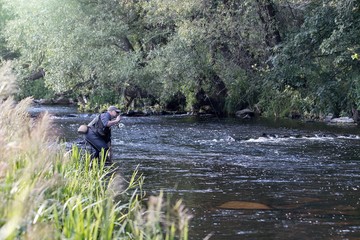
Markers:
point(253, 179)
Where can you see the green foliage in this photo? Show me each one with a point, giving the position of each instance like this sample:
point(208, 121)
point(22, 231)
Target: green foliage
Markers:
point(100, 99)
point(317, 61)
point(36, 88)
point(232, 50)
point(205, 47)
point(242, 92)
point(286, 103)
point(74, 44)
point(5, 16)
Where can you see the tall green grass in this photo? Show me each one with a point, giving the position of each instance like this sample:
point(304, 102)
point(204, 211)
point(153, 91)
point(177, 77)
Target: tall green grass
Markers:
point(47, 192)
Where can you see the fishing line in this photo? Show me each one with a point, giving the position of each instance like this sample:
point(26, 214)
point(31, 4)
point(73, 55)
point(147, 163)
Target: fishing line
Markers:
point(123, 136)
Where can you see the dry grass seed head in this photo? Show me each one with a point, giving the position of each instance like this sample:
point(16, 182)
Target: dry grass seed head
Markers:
point(7, 80)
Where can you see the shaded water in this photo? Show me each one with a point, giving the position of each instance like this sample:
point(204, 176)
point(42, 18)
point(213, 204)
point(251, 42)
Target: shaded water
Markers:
point(307, 174)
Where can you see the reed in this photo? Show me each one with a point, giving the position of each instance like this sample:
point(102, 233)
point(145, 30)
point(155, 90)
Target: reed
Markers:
point(49, 193)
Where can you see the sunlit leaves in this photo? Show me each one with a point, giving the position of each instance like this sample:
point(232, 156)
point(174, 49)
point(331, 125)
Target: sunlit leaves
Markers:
point(321, 56)
point(167, 46)
point(74, 41)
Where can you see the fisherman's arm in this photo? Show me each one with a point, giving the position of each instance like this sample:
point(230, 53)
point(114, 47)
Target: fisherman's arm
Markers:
point(113, 122)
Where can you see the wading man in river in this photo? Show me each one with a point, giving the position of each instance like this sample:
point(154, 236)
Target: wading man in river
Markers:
point(99, 133)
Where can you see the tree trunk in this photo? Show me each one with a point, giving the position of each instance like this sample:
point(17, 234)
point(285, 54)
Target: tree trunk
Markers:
point(267, 15)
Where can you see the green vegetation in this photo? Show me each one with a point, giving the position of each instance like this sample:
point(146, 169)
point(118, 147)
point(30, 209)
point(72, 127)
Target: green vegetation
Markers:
point(223, 55)
point(48, 193)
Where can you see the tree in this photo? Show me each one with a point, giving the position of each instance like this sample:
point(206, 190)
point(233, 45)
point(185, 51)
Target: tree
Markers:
point(5, 53)
point(80, 45)
point(209, 57)
point(317, 62)
point(222, 55)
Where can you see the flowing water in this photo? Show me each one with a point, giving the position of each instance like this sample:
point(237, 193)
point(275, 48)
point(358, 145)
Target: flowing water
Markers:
point(304, 176)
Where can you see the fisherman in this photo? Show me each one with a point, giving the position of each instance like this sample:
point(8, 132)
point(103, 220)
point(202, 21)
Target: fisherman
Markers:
point(99, 131)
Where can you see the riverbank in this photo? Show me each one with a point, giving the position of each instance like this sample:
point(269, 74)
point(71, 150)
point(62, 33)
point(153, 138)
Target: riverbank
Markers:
point(241, 114)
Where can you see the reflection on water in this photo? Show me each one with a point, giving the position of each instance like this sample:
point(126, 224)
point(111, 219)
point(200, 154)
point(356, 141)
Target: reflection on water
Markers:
point(307, 174)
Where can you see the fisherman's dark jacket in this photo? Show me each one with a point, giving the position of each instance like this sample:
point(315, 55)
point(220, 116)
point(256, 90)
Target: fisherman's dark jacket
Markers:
point(99, 127)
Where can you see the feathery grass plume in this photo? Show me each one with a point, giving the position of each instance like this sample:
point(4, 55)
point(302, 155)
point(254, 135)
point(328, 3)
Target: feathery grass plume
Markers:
point(25, 158)
point(7, 80)
point(25, 151)
point(160, 221)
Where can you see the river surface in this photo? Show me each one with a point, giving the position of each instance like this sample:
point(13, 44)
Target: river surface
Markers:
point(305, 175)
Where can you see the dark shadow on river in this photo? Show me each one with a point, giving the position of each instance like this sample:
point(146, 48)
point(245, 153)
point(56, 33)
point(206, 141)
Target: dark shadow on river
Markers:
point(307, 174)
